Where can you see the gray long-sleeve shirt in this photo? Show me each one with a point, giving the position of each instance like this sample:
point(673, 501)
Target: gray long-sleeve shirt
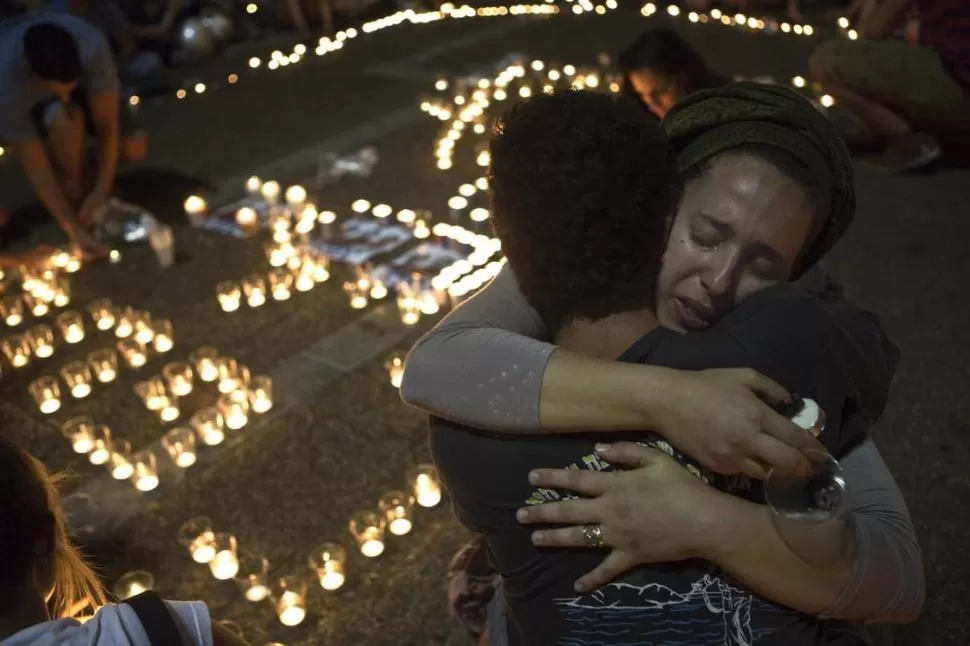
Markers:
point(482, 366)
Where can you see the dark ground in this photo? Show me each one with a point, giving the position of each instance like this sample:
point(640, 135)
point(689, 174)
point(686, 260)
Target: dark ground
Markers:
point(342, 437)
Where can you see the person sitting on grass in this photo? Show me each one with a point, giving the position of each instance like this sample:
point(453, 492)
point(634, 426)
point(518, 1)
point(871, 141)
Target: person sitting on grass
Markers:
point(44, 580)
point(904, 96)
point(58, 85)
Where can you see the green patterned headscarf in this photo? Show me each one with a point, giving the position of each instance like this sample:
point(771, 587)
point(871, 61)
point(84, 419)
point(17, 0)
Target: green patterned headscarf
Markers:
point(710, 122)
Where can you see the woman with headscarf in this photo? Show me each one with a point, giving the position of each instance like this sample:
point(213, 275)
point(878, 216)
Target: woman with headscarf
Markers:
point(758, 163)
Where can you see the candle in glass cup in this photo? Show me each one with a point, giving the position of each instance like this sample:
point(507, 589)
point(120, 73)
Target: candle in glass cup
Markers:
point(271, 192)
point(77, 377)
point(396, 507)
point(225, 562)
point(142, 329)
point(61, 295)
point(247, 219)
point(280, 284)
point(102, 447)
point(279, 253)
point(209, 425)
point(152, 393)
point(205, 361)
point(255, 289)
point(303, 277)
point(329, 561)
point(198, 537)
point(178, 376)
point(395, 368)
point(253, 184)
point(252, 576)
point(296, 197)
point(409, 307)
point(17, 350)
point(123, 322)
point(80, 432)
point(195, 208)
point(119, 464)
point(290, 596)
point(104, 364)
point(169, 411)
point(320, 268)
point(164, 336)
point(229, 295)
point(60, 258)
point(102, 313)
point(179, 443)
point(12, 310)
point(367, 528)
point(131, 584)
point(36, 306)
point(260, 394)
point(145, 476)
point(234, 411)
point(73, 265)
point(71, 325)
point(47, 393)
point(41, 339)
point(357, 294)
point(133, 352)
point(232, 376)
point(426, 485)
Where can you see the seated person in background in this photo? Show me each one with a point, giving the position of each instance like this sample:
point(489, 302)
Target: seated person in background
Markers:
point(660, 68)
point(44, 580)
point(903, 95)
point(58, 85)
point(582, 192)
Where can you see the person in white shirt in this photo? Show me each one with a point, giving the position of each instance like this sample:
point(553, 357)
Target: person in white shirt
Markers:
point(43, 579)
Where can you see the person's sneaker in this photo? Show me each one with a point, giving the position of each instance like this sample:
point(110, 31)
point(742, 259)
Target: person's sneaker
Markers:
point(907, 152)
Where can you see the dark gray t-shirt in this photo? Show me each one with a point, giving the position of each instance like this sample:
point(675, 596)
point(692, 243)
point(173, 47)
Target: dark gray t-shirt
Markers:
point(841, 360)
point(20, 90)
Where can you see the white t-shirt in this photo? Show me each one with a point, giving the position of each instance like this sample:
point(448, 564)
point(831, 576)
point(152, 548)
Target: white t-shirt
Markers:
point(116, 625)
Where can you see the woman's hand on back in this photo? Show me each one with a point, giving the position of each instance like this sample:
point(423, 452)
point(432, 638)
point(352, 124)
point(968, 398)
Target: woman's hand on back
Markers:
point(724, 419)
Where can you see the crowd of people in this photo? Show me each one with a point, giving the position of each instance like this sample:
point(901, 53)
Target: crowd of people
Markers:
point(663, 273)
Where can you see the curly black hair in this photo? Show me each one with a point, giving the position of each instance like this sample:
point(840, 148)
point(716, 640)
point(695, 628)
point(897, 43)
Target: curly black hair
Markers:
point(581, 187)
point(51, 53)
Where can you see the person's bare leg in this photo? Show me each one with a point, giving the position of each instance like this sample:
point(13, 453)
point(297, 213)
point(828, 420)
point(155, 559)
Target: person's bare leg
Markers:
point(326, 16)
point(66, 142)
point(296, 13)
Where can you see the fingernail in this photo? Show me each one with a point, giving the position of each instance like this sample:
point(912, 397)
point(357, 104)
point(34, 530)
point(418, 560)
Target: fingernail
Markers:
point(522, 515)
point(600, 448)
point(534, 477)
point(538, 537)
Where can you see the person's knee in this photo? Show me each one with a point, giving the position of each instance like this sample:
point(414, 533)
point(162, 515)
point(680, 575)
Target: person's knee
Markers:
point(134, 147)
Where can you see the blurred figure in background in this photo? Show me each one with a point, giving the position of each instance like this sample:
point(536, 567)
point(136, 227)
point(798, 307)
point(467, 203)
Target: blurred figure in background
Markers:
point(904, 95)
point(660, 68)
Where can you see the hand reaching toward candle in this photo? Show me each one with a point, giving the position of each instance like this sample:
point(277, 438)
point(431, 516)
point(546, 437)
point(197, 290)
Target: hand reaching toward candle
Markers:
point(655, 512)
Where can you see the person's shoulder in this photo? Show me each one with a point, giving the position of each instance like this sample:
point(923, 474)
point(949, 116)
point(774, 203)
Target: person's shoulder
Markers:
point(805, 310)
point(118, 625)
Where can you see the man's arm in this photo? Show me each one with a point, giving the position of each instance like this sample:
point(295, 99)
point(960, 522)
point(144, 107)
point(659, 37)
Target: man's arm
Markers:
point(40, 175)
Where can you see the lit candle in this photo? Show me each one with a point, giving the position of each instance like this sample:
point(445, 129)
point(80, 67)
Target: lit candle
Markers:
point(169, 411)
point(61, 295)
point(396, 508)
point(329, 562)
point(195, 209)
point(255, 290)
point(408, 307)
point(119, 464)
point(229, 295)
point(178, 376)
point(224, 564)
point(232, 376)
point(17, 350)
point(367, 529)
point(102, 447)
point(164, 336)
point(179, 443)
point(296, 197)
point(251, 577)
point(41, 338)
point(47, 393)
point(197, 536)
point(133, 352)
point(152, 393)
point(73, 265)
point(205, 363)
point(80, 432)
point(280, 281)
point(421, 230)
point(132, 584)
point(123, 324)
point(234, 411)
point(427, 488)
point(71, 326)
point(104, 364)
point(253, 185)
point(279, 253)
point(37, 306)
point(378, 290)
point(358, 296)
point(395, 369)
point(145, 476)
point(12, 310)
point(77, 377)
point(304, 281)
point(208, 423)
point(291, 600)
point(60, 258)
point(246, 218)
point(142, 330)
point(270, 192)
point(261, 394)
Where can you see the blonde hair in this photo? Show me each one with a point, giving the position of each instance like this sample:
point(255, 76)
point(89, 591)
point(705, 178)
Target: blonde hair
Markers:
point(27, 492)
